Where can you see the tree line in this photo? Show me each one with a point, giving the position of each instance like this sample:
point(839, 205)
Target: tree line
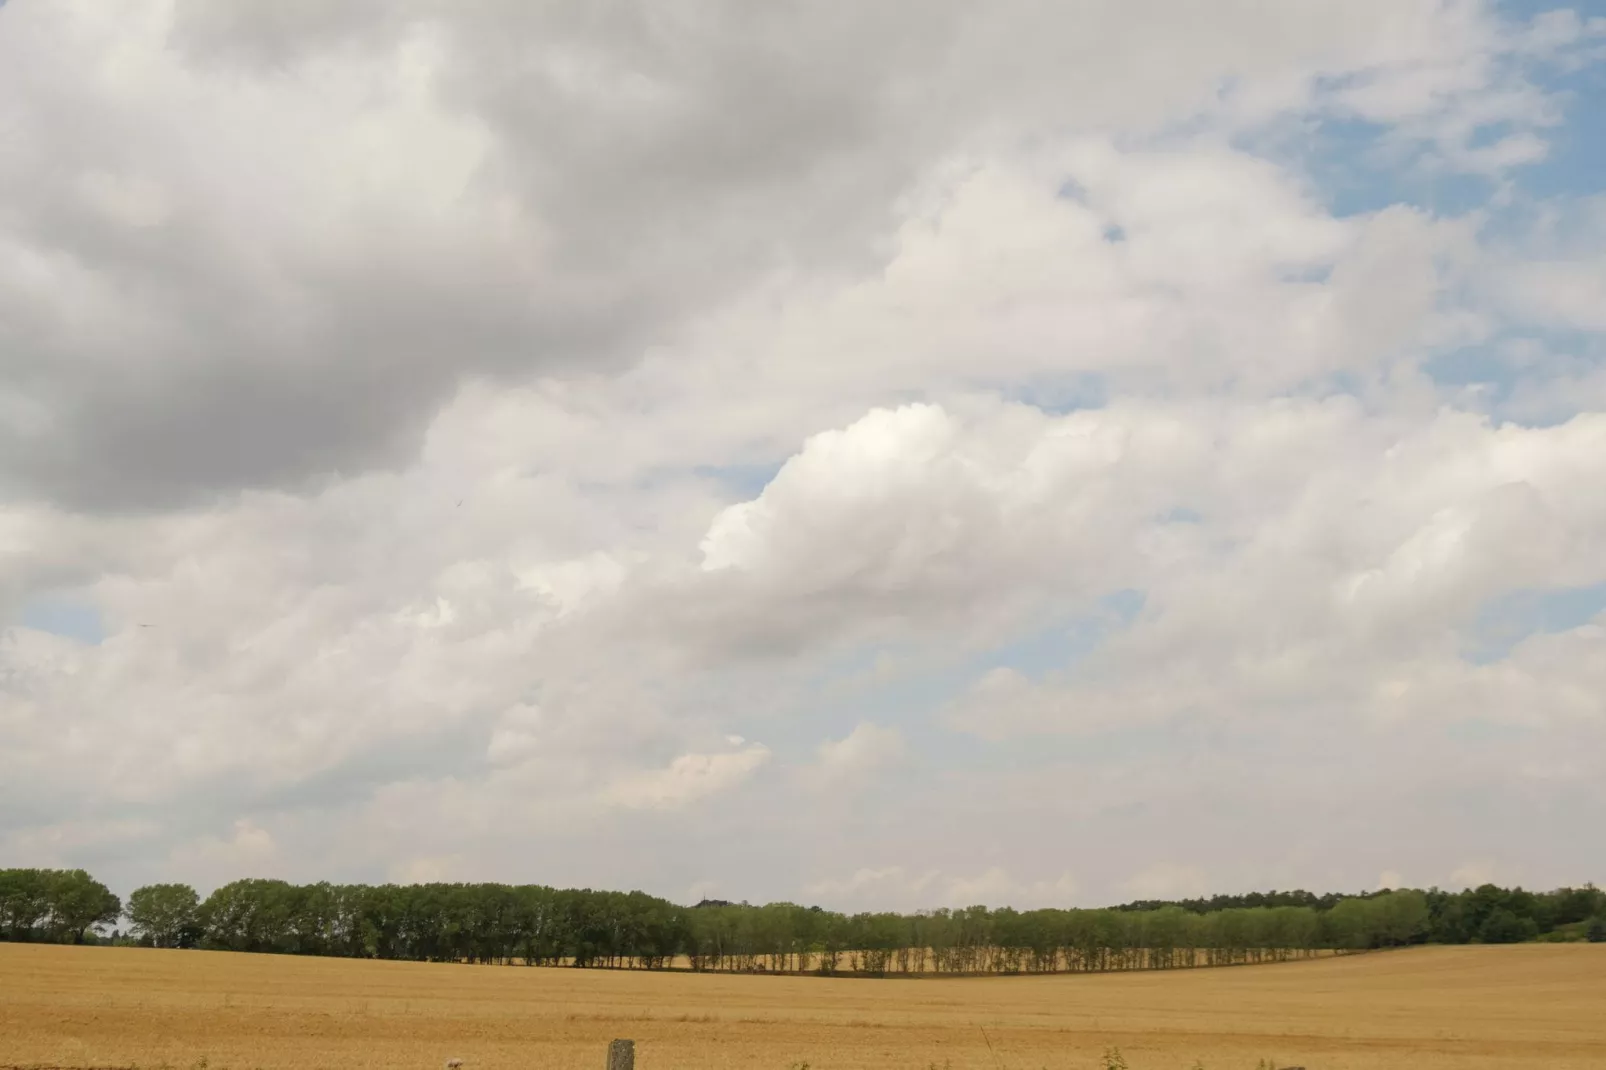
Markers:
point(537, 925)
point(58, 905)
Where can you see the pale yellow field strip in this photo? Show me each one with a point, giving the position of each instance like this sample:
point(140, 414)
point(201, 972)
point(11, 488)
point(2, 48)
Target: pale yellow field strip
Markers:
point(1478, 1008)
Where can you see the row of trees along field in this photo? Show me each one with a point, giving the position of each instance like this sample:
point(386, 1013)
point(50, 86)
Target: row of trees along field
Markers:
point(536, 925)
point(58, 905)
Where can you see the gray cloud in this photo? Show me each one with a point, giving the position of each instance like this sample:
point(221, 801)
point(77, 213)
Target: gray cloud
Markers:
point(386, 359)
point(294, 235)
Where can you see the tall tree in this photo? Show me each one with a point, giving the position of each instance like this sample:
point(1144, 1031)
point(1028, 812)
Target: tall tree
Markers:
point(167, 915)
point(24, 902)
point(77, 902)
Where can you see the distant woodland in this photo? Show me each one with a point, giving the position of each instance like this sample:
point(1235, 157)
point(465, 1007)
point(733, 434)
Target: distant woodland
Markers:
point(540, 926)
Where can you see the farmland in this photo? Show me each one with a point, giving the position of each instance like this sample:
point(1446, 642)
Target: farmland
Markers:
point(1472, 1007)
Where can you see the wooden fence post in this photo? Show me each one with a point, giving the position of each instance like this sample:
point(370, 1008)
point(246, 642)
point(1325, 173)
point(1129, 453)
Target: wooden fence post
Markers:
point(622, 1055)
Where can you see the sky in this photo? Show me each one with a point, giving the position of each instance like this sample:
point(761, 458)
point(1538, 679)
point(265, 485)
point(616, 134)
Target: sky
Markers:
point(889, 456)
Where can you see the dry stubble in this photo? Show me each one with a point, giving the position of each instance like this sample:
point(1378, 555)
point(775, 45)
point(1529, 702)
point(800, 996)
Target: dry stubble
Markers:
point(1479, 1008)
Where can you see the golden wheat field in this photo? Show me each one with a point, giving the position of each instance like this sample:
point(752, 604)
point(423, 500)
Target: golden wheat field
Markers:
point(1468, 1007)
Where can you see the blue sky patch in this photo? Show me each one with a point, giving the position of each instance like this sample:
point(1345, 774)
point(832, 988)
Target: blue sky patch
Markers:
point(924, 685)
point(1358, 168)
point(1061, 394)
point(1507, 620)
point(1501, 364)
point(64, 615)
point(745, 480)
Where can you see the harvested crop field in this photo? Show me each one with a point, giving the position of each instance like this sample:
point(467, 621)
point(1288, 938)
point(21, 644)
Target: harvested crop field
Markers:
point(1472, 1007)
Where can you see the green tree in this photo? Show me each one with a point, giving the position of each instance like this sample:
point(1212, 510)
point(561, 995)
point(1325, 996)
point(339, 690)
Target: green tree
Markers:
point(77, 902)
point(24, 902)
point(1348, 926)
point(250, 915)
point(1595, 933)
point(536, 925)
point(1402, 917)
point(1576, 904)
point(167, 915)
point(1504, 927)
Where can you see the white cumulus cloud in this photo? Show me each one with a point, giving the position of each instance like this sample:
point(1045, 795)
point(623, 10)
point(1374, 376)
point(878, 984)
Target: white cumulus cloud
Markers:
point(689, 778)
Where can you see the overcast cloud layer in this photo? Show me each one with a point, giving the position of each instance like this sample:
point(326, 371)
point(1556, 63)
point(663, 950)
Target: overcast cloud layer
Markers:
point(884, 455)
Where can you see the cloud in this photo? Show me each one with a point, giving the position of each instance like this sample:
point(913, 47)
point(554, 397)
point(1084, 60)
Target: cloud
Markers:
point(896, 888)
point(1473, 874)
point(1167, 880)
point(889, 882)
point(53, 845)
point(859, 754)
point(516, 736)
point(997, 886)
point(1551, 274)
point(689, 778)
point(388, 230)
point(484, 406)
point(425, 870)
point(208, 861)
